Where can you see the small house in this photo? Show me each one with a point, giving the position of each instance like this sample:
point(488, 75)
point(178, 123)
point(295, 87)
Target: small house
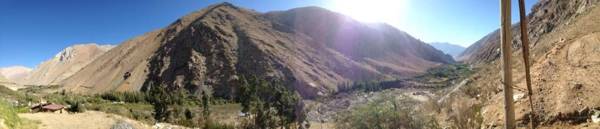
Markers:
point(48, 107)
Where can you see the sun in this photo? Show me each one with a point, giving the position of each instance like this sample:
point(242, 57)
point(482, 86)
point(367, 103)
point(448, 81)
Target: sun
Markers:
point(388, 11)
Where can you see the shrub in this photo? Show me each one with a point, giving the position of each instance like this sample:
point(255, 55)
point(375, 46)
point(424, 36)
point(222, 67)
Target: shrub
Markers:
point(9, 115)
point(210, 124)
point(130, 97)
point(112, 96)
point(76, 107)
point(167, 103)
point(384, 113)
point(271, 103)
point(466, 115)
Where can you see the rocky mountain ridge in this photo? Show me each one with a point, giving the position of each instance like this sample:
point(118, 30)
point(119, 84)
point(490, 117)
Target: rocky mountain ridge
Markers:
point(217, 45)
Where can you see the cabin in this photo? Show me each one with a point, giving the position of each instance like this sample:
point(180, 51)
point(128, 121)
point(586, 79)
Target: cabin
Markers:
point(48, 107)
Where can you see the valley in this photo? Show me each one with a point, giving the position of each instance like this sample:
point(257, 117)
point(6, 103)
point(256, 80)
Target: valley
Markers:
point(225, 66)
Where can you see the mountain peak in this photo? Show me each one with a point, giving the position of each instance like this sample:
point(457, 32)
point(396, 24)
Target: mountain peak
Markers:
point(65, 63)
point(226, 4)
point(69, 52)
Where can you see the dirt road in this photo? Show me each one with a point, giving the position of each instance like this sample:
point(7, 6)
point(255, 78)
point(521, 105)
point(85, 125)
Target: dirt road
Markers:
point(87, 120)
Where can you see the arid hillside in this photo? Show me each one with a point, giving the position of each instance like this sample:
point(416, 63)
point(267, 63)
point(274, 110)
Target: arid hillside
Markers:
point(10, 76)
point(545, 17)
point(565, 39)
point(311, 49)
point(15, 73)
point(64, 64)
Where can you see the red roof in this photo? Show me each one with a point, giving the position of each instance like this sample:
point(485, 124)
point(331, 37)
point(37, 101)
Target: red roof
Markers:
point(53, 107)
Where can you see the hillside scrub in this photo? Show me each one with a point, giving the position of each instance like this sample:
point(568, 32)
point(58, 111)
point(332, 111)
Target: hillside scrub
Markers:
point(8, 114)
point(269, 104)
point(386, 112)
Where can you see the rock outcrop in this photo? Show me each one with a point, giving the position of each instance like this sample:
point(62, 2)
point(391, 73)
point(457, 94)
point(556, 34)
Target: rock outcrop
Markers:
point(64, 64)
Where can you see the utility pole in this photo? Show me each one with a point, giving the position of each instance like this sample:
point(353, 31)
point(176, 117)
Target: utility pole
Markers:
point(525, 48)
point(506, 41)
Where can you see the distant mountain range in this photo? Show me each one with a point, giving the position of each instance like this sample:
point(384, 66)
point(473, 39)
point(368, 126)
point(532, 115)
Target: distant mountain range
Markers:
point(448, 48)
point(14, 73)
point(9, 76)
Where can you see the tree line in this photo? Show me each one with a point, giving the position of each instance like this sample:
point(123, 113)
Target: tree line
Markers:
point(265, 104)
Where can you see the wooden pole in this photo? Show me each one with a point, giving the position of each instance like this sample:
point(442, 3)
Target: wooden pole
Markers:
point(506, 41)
point(525, 43)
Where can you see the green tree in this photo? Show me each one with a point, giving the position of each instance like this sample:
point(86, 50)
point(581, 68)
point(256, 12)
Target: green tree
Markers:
point(272, 103)
point(205, 105)
point(161, 101)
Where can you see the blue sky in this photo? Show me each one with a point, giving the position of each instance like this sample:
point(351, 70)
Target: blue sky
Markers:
point(32, 31)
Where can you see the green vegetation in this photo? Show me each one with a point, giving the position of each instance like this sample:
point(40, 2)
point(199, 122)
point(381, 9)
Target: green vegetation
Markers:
point(141, 111)
point(269, 104)
point(76, 107)
point(442, 76)
point(178, 107)
point(15, 95)
point(129, 97)
point(168, 104)
point(386, 112)
point(448, 72)
point(8, 114)
point(368, 86)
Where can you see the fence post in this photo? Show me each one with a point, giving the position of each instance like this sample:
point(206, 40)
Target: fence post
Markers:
point(506, 44)
point(525, 48)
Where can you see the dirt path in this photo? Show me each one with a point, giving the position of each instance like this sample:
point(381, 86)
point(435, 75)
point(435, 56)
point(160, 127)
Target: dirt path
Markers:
point(87, 120)
point(456, 87)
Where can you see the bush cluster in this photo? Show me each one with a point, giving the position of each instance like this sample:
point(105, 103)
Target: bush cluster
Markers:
point(270, 104)
point(385, 113)
point(129, 97)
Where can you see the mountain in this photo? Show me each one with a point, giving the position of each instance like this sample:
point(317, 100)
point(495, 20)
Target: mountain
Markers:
point(448, 48)
point(65, 63)
point(546, 16)
point(15, 73)
point(565, 40)
point(310, 49)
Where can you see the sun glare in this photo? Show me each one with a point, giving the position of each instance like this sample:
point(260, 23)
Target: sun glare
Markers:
point(389, 11)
